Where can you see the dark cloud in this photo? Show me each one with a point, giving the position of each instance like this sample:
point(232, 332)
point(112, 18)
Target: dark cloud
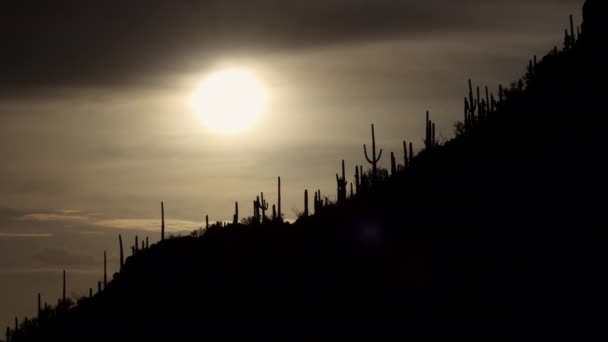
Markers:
point(81, 43)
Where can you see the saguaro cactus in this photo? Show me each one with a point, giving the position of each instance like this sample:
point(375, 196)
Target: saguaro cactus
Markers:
point(63, 296)
point(393, 165)
point(39, 306)
point(136, 244)
point(264, 206)
point(373, 160)
point(279, 214)
point(572, 38)
point(274, 212)
point(256, 209)
point(122, 256)
point(206, 221)
point(411, 153)
point(429, 141)
point(305, 203)
point(162, 227)
point(105, 270)
point(235, 217)
point(472, 104)
point(406, 161)
point(357, 180)
point(318, 202)
point(147, 243)
point(341, 185)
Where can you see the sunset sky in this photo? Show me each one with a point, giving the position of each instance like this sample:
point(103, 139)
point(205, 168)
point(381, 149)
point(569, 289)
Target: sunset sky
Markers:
point(97, 125)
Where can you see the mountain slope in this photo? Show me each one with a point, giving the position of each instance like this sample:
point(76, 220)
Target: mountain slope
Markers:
point(495, 233)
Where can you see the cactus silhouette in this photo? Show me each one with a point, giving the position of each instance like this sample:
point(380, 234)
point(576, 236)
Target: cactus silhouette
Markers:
point(63, 293)
point(206, 221)
point(341, 185)
point(274, 212)
point(470, 106)
point(256, 209)
point(39, 306)
point(406, 160)
point(357, 180)
point(430, 141)
point(105, 270)
point(279, 213)
point(318, 202)
point(122, 256)
point(393, 165)
point(162, 227)
point(572, 37)
point(263, 206)
point(235, 217)
point(136, 244)
point(305, 214)
point(373, 160)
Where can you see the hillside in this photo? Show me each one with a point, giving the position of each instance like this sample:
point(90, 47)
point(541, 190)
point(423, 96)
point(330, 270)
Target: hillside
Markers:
point(497, 232)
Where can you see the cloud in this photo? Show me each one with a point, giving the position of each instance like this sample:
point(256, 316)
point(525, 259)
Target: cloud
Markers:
point(75, 44)
point(24, 235)
point(71, 217)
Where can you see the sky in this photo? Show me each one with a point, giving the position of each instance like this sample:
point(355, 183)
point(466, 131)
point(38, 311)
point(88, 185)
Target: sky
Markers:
point(97, 127)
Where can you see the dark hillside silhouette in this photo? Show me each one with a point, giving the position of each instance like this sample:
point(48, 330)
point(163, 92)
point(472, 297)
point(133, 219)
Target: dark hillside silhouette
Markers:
point(498, 232)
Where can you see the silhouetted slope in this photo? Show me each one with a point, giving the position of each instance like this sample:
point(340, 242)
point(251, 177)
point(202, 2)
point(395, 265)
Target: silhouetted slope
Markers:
point(497, 232)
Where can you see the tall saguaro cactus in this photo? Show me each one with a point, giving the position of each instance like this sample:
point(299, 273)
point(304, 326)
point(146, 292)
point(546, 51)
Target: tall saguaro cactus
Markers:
point(341, 185)
point(105, 270)
point(318, 202)
point(206, 221)
point(470, 107)
point(357, 180)
point(279, 214)
point(406, 161)
point(256, 210)
point(235, 217)
point(305, 203)
point(162, 226)
point(39, 306)
point(63, 296)
point(572, 37)
point(373, 160)
point(122, 256)
point(393, 165)
point(264, 206)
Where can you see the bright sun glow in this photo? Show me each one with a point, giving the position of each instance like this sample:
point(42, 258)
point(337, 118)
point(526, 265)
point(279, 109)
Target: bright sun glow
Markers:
point(229, 101)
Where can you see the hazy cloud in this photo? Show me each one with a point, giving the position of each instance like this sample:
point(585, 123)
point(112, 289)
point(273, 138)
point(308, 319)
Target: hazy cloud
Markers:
point(24, 235)
point(56, 44)
point(71, 217)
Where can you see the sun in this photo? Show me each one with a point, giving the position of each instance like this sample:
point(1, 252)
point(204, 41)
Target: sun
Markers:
point(229, 101)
